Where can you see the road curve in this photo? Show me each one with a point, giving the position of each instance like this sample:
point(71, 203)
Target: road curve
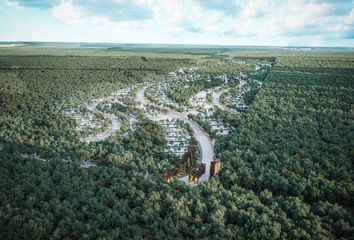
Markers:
point(115, 125)
point(140, 96)
point(217, 102)
point(205, 144)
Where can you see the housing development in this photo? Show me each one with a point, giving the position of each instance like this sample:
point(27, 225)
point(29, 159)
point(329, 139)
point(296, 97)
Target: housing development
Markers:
point(187, 120)
point(177, 119)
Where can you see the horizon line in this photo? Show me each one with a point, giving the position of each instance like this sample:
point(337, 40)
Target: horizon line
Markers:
point(180, 44)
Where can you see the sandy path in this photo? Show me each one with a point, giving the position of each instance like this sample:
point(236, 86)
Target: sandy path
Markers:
point(216, 100)
point(115, 125)
point(140, 97)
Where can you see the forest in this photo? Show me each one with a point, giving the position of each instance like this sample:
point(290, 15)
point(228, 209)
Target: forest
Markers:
point(287, 168)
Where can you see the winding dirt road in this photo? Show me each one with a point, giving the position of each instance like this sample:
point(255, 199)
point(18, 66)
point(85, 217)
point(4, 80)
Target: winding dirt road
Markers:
point(217, 102)
point(140, 97)
point(115, 125)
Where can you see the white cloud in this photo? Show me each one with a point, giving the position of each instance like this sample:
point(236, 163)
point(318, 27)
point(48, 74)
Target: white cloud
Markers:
point(14, 4)
point(251, 22)
point(254, 7)
point(68, 13)
point(74, 15)
point(349, 19)
point(296, 17)
point(301, 13)
point(257, 17)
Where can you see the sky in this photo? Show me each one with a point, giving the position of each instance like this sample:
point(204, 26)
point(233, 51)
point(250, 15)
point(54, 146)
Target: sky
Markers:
point(320, 23)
